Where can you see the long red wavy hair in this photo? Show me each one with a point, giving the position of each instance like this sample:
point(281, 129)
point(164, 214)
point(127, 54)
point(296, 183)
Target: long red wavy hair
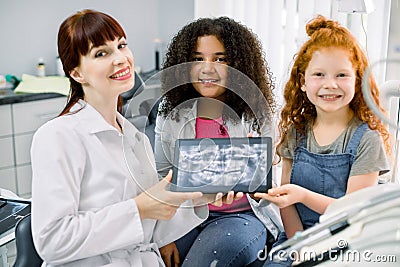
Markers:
point(298, 110)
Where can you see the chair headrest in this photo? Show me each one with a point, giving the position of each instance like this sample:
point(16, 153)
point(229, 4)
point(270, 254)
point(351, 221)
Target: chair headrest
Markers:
point(137, 89)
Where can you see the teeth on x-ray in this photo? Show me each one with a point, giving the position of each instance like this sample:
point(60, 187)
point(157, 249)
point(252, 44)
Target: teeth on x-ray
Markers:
point(225, 165)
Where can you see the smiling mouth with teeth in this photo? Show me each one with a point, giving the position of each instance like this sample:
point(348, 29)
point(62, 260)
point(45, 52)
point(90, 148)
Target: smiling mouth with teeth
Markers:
point(120, 74)
point(330, 96)
point(208, 81)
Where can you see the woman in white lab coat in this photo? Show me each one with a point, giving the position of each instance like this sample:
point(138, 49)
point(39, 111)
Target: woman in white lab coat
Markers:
point(96, 199)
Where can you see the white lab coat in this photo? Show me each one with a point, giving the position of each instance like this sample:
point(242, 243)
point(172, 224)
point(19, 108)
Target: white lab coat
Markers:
point(85, 176)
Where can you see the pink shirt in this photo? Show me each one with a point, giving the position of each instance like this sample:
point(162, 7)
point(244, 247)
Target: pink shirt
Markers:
point(216, 129)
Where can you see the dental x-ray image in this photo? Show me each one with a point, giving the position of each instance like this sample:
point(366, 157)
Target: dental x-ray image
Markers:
point(212, 165)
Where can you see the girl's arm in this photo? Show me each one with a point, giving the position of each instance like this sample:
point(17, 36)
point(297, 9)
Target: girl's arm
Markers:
point(289, 194)
point(358, 182)
point(290, 218)
point(319, 203)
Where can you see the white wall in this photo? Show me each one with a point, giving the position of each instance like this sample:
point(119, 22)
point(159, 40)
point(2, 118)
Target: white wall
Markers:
point(280, 26)
point(393, 70)
point(28, 28)
point(172, 17)
point(393, 73)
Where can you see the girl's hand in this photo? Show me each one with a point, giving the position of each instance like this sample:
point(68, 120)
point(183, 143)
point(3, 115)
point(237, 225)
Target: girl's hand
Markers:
point(160, 204)
point(284, 195)
point(218, 199)
point(170, 255)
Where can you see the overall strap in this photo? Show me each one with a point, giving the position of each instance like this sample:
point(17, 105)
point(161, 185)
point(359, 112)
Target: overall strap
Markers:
point(356, 138)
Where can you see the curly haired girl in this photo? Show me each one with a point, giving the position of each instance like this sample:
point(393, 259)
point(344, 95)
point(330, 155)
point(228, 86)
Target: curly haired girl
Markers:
point(331, 143)
point(216, 83)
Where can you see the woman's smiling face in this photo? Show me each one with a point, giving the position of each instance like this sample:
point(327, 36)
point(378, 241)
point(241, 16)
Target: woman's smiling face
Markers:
point(107, 69)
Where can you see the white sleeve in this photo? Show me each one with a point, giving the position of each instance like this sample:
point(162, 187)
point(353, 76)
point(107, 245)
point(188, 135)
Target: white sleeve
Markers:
point(185, 219)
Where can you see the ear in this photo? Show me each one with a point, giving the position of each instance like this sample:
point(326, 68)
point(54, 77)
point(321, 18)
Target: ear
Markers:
point(76, 75)
point(302, 82)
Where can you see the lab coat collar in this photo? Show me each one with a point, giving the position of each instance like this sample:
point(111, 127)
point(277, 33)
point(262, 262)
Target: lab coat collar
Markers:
point(94, 122)
point(189, 113)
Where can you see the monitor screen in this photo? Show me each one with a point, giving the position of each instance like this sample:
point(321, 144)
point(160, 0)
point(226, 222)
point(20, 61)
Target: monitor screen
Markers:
point(11, 211)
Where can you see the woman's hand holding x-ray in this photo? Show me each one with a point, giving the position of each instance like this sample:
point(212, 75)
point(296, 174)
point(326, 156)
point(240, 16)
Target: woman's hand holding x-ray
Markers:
point(161, 204)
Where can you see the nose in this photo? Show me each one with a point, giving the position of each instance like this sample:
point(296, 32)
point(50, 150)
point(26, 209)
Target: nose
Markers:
point(207, 66)
point(330, 82)
point(119, 58)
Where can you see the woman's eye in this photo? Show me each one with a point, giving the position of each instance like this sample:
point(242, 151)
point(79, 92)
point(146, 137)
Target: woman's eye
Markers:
point(318, 74)
point(100, 54)
point(220, 59)
point(341, 75)
point(198, 59)
point(123, 45)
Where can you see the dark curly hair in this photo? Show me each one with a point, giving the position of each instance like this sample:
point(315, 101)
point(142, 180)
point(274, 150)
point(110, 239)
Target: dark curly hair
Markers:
point(243, 53)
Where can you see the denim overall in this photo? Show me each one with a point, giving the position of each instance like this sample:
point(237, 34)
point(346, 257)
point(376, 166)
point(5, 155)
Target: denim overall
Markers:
point(326, 174)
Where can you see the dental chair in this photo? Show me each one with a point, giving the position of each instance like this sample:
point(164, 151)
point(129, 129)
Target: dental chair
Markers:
point(27, 255)
point(356, 230)
point(146, 119)
point(128, 95)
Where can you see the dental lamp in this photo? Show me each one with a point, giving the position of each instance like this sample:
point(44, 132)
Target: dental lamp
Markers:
point(388, 90)
point(355, 6)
